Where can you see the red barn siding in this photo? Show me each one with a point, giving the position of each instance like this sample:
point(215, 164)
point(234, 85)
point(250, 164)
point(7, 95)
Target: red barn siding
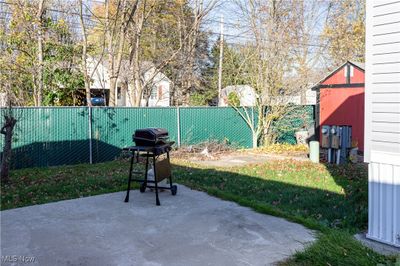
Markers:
point(339, 77)
point(343, 106)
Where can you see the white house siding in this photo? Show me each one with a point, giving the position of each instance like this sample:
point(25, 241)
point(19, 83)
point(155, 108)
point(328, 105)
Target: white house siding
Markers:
point(382, 119)
point(3, 99)
point(100, 76)
point(100, 81)
point(161, 88)
point(245, 93)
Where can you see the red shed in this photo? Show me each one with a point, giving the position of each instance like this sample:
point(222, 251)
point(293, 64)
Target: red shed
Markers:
point(340, 100)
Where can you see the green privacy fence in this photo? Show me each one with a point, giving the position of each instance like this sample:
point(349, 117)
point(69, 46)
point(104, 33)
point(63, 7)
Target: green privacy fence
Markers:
point(112, 128)
point(198, 124)
point(49, 136)
point(301, 117)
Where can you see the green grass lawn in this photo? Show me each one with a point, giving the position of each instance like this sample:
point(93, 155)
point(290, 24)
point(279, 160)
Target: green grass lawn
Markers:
point(331, 200)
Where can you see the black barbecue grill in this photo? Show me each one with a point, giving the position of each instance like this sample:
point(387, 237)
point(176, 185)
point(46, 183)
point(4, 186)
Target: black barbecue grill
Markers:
point(152, 144)
point(150, 136)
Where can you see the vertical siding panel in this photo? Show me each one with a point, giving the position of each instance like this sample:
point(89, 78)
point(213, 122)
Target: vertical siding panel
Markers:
point(384, 203)
point(371, 199)
point(396, 205)
point(380, 199)
point(387, 202)
point(374, 196)
point(382, 149)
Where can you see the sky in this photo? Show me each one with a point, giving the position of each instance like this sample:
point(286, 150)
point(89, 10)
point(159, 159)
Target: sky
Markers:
point(235, 31)
point(234, 26)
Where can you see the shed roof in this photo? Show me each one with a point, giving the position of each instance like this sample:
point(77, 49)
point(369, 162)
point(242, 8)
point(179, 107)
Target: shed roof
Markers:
point(358, 65)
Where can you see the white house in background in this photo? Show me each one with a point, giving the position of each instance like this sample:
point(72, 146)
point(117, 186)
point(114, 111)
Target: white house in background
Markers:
point(308, 97)
point(3, 99)
point(246, 94)
point(247, 97)
point(100, 86)
point(160, 93)
point(382, 120)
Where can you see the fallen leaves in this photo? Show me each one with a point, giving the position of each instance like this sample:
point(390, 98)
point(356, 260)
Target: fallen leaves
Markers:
point(284, 148)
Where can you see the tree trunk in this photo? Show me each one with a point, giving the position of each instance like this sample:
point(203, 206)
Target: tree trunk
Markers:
point(86, 76)
point(116, 44)
point(135, 61)
point(113, 85)
point(109, 40)
point(138, 92)
point(87, 90)
point(255, 140)
point(40, 54)
point(7, 131)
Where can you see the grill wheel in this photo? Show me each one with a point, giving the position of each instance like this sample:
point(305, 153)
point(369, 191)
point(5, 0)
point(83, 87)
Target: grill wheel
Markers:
point(174, 190)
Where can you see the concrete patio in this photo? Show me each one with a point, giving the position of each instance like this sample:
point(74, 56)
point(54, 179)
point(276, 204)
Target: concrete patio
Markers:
point(191, 228)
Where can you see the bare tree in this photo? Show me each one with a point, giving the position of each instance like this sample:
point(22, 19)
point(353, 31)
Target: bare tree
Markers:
point(188, 27)
point(138, 81)
point(117, 26)
point(25, 56)
point(190, 32)
point(272, 62)
point(86, 75)
point(89, 66)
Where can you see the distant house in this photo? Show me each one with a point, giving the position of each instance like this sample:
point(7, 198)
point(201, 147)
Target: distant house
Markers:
point(160, 92)
point(248, 96)
point(307, 97)
point(245, 93)
point(160, 84)
point(340, 100)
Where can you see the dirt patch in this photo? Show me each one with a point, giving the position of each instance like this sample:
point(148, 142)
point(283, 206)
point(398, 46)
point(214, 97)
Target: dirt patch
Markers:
point(209, 150)
point(217, 154)
point(234, 159)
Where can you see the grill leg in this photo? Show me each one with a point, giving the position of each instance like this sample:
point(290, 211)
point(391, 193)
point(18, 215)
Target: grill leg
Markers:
point(155, 180)
point(170, 176)
point(147, 169)
point(129, 178)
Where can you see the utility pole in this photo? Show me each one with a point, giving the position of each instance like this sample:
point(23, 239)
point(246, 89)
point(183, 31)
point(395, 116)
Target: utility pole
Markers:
point(221, 57)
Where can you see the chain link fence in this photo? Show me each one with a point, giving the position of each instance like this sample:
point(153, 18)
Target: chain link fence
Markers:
point(50, 136)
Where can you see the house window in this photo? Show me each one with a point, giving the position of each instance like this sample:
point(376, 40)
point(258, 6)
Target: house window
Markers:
point(153, 94)
point(119, 93)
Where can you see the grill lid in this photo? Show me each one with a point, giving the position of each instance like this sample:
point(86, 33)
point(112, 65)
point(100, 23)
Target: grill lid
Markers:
point(150, 136)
